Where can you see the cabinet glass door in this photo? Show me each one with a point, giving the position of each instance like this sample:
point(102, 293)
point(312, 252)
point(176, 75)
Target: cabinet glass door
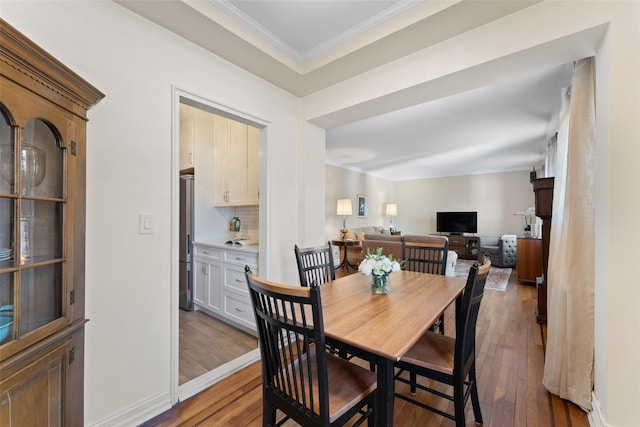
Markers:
point(32, 203)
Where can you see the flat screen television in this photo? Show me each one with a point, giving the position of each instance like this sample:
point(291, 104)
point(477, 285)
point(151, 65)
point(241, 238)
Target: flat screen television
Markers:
point(457, 222)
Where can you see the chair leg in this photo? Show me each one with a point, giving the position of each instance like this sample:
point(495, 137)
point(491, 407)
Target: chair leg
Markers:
point(442, 324)
point(268, 414)
point(477, 413)
point(413, 379)
point(458, 403)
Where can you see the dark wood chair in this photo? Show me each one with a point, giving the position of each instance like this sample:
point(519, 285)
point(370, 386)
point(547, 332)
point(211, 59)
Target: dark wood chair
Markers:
point(429, 256)
point(315, 264)
point(451, 361)
point(299, 378)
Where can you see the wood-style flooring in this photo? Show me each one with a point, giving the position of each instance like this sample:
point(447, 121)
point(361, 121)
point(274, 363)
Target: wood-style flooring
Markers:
point(510, 359)
point(207, 343)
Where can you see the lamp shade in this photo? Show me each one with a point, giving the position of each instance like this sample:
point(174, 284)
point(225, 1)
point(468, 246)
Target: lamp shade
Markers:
point(344, 207)
point(392, 209)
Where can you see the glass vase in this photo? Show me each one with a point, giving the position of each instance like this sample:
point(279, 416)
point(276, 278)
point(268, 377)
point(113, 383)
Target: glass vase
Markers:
point(379, 284)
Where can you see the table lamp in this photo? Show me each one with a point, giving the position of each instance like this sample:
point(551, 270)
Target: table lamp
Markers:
point(392, 210)
point(344, 209)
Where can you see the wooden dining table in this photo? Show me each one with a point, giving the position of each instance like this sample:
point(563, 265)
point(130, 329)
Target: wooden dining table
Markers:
point(384, 327)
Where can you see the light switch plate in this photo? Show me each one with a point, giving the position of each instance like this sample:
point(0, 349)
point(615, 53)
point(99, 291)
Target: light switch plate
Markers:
point(146, 224)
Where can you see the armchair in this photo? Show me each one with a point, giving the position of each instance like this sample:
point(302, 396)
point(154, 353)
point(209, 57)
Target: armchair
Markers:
point(502, 250)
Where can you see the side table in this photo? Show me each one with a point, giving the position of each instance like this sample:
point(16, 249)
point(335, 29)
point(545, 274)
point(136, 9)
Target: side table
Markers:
point(345, 244)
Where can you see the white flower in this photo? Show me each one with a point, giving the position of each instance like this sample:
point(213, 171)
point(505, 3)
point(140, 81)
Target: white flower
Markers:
point(378, 264)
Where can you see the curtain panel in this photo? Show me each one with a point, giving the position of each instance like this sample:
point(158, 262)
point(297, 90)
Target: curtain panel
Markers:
point(568, 369)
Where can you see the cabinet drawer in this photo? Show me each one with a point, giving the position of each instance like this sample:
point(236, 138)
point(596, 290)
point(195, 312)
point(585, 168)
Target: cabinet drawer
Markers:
point(456, 241)
point(234, 278)
point(240, 310)
point(241, 258)
point(207, 251)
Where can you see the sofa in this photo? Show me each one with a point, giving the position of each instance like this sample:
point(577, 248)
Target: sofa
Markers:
point(502, 250)
point(355, 253)
point(391, 244)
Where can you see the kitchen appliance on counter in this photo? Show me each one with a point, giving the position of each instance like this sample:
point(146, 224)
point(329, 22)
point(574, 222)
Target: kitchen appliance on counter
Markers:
point(186, 243)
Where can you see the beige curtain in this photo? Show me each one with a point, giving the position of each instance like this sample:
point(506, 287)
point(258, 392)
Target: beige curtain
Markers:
point(568, 369)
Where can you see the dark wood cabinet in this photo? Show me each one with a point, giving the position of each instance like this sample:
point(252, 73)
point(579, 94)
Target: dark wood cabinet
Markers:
point(543, 189)
point(465, 246)
point(529, 259)
point(43, 108)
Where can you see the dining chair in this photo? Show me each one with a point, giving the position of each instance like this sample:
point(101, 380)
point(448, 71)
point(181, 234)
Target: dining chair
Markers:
point(448, 360)
point(315, 264)
point(306, 383)
point(428, 256)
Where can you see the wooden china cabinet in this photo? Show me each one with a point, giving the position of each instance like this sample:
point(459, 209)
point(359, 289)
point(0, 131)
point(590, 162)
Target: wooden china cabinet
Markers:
point(543, 189)
point(42, 233)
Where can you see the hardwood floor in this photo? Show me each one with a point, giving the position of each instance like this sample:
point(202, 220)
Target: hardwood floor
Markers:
point(207, 343)
point(510, 357)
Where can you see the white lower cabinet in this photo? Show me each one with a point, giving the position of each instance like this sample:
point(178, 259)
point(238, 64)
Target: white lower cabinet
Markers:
point(207, 277)
point(220, 285)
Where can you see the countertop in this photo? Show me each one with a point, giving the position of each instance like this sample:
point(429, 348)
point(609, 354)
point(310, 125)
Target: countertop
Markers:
point(221, 245)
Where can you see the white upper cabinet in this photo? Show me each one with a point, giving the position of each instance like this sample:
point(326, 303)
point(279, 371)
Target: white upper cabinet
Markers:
point(235, 163)
point(187, 135)
point(253, 163)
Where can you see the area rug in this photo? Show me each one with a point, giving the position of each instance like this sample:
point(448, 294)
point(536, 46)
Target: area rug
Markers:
point(496, 280)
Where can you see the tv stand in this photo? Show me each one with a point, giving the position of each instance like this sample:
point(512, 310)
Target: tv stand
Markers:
point(465, 246)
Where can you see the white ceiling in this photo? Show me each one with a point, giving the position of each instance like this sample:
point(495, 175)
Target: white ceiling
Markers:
point(306, 45)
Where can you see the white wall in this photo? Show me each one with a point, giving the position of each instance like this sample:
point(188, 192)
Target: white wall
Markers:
point(312, 185)
point(128, 275)
point(496, 197)
point(347, 184)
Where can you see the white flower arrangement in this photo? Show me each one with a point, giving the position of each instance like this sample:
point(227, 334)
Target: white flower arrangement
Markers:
point(377, 264)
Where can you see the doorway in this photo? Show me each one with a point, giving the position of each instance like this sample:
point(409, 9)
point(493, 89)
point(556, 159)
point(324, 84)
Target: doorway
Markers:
point(212, 349)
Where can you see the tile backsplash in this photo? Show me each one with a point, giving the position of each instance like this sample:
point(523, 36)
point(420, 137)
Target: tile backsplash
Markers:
point(249, 228)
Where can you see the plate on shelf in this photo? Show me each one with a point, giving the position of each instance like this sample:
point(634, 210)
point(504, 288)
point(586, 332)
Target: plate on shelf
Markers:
point(5, 254)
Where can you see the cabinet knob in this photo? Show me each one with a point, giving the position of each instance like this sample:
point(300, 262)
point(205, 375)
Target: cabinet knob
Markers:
point(240, 310)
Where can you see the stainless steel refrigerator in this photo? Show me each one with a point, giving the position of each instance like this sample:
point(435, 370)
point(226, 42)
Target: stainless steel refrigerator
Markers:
point(186, 239)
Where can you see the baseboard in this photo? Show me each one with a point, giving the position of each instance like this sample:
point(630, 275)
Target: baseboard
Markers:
point(595, 416)
point(138, 413)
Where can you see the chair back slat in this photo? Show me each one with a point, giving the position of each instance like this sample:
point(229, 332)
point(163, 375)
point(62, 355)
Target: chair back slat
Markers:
point(426, 257)
point(315, 264)
point(290, 329)
point(468, 315)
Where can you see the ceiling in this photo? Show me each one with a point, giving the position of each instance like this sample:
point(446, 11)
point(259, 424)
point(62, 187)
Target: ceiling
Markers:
point(306, 45)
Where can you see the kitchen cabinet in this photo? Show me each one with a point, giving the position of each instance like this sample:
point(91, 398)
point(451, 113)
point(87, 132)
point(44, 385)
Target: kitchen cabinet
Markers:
point(187, 125)
point(220, 285)
point(42, 234)
point(207, 266)
point(235, 163)
point(196, 136)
